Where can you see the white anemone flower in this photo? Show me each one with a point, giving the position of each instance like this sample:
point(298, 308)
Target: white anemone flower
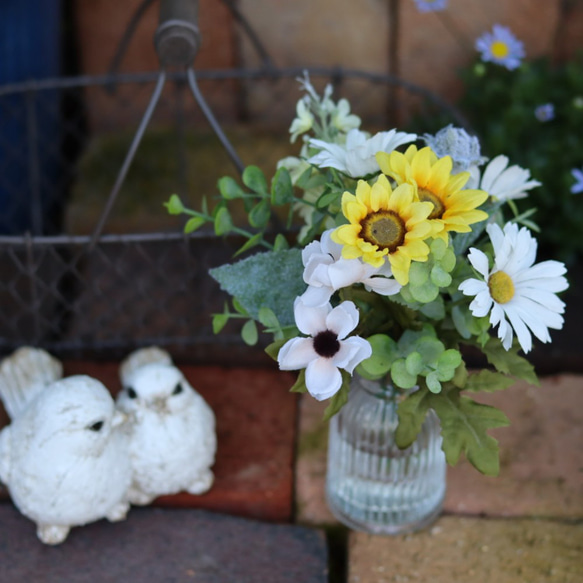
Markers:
point(357, 157)
point(517, 294)
point(506, 183)
point(327, 349)
point(327, 271)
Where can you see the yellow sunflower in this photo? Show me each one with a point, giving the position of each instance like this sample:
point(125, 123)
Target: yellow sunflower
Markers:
point(385, 224)
point(455, 209)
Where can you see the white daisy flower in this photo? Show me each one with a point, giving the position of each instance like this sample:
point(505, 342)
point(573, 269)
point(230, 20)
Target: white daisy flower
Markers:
point(504, 183)
point(327, 271)
point(327, 349)
point(517, 294)
point(501, 47)
point(357, 157)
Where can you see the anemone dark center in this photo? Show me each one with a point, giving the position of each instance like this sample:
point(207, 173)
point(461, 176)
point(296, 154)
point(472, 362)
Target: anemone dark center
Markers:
point(438, 207)
point(385, 229)
point(326, 344)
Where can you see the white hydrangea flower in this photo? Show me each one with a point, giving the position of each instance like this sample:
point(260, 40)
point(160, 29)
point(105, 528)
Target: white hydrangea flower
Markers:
point(303, 122)
point(504, 183)
point(327, 271)
point(357, 157)
point(327, 348)
point(518, 295)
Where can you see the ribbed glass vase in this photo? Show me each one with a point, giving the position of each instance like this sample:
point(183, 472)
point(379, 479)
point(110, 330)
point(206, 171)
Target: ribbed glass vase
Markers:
point(371, 484)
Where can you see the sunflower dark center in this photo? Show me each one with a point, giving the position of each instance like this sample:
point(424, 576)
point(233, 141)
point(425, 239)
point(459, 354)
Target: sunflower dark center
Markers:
point(385, 229)
point(326, 344)
point(438, 206)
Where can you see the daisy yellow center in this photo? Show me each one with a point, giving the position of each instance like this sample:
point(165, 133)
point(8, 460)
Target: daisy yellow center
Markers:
point(438, 207)
point(501, 287)
point(499, 49)
point(326, 344)
point(385, 229)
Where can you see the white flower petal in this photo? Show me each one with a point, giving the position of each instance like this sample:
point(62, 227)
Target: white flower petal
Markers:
point(343, 319)
point(479, 261)
point(522, 332)
point(310, 319)
point(323, 379)
point(352, 352)
point(345, 272)
point(492, 171)
point(472, 287)
point(481, 304)
point(316, 296)
point(296, 353)
point(328, 246)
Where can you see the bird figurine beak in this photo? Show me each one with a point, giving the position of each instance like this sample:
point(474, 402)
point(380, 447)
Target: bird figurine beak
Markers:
point(118, 419)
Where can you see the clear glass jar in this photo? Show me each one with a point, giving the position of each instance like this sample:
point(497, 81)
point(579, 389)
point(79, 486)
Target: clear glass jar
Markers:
point(371, 484)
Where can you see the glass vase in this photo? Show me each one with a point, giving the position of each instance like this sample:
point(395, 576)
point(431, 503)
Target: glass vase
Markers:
point(371, 484)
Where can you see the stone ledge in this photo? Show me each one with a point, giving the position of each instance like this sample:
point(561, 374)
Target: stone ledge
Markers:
point(156, 544)
point(470, 549)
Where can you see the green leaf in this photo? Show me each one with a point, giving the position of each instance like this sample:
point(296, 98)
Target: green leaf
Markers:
point(430, 349)
point(448, 260)
point(440, 277)
point(174, 205)
point(282, 190)
point(219, 321)
point(259, 214)
point(460, 377)
point(300, 385)
point(249, 333)
point(414, 363)
point(451, 358)
point(239, 308)
point(418, 273)
point(433, 384)
point(464, 425)
point(254, 179)
point(384, 350)
point(434, 310)
point(249, 244)
point(271, 279)
point(193, 224)
point(401, 377)
point(268, 318)
point(411, 413)
point(229, 188)
point(274, 348)
point(488, 381)
point(339, 399)
point(438, 248)
point(223, 222)
point(425, 293)
point(280, 243)
point(509, 362)
point(327, 199)
point(302, 181)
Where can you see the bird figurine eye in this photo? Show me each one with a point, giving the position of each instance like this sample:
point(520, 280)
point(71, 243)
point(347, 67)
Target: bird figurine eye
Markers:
point(178, 389)
point(96, 426)
point(131, 393)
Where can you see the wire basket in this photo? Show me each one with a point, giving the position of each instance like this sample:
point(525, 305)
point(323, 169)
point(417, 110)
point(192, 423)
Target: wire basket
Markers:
point(83, 274)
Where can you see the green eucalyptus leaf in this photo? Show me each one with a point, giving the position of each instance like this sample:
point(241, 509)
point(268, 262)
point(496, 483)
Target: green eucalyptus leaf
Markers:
point(438, 248)
point(223, 222)
point(451, 358)
point(326, 199)
point(425, 293)
point(174, 205)
point(249, 333)
point(193, 224)
point(430, 349)
point(280, 243)
point(254, 179)
point(440, 277)
point(414, 363)
point(229, 188)
point(434, 310)
point(418, 274)
point(249, 244)
point(219, 321)
point(448, 260)
point(268, 318)
point(433, 384)
point(259, 214)
point(282, 190)
point(384, 351)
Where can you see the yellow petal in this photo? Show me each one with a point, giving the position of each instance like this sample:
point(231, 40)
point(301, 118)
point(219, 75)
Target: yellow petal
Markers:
point(402, 199)
point(399, 168)
point(400, 265)
point(417, 212)
point(415, 249)
point(466, 199)
point(440, 176)
point(410, 153)
point(346, 234)
point(421, 167)
point(380, 192)
point(457, 181)
point(384, 161)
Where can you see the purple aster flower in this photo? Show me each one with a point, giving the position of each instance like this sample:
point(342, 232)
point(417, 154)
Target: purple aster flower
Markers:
point(501, 47)
point(431, 5)
point(578, 176)
point(545, 112)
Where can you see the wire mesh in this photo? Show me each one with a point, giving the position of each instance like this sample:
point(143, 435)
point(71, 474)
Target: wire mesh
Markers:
point(62, 143)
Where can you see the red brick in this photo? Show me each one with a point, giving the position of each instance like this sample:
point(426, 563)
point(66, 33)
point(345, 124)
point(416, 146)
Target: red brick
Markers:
point(256, 418)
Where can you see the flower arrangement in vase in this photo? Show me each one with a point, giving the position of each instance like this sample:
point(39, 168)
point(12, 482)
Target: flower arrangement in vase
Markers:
point(406, 256)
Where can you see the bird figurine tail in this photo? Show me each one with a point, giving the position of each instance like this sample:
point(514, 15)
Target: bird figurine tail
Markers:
point(140, 358)
point(23, 375)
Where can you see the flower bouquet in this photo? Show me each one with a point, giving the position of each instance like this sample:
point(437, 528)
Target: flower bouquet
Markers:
point(399, 256)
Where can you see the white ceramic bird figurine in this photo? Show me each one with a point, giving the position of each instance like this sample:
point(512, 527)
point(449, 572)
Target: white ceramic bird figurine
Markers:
point(64, 458)
point(173, 440)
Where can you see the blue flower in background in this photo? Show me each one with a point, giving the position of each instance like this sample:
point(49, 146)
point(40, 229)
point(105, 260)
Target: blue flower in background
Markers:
point(545, 112)
point(501, 47)
point(431, 5)
point(578, 176)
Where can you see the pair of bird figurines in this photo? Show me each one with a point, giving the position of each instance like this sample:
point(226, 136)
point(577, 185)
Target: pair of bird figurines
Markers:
point(71, 455)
